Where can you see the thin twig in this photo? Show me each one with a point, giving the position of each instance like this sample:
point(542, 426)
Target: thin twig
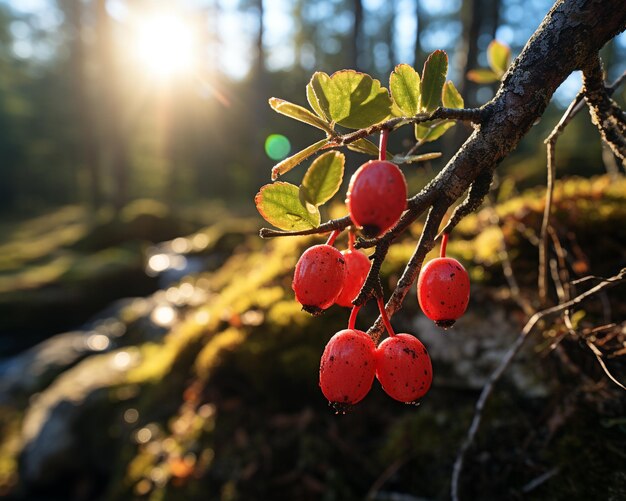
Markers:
point(594, 349)
point(575, 106)
point(412, 269)
point(541, 479)
point(473, 115)
point(506, 361)
point(572, 110)
point(334, 224)
point(507, 266)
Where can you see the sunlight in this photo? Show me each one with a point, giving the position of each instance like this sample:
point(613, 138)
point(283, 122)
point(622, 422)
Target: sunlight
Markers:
point(164, 45)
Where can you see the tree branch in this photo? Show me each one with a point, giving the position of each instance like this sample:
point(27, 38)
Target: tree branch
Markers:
point(473, 115)
point(413, 267)
point(332, 225)
point(605, 113)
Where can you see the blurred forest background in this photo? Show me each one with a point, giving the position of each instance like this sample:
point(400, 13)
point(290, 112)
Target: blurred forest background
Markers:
point(133, 137)
point(104, 102)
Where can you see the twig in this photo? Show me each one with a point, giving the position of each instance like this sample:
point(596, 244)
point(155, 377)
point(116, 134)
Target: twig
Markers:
point(507, 266)
point(572, 110)
point(412, 269)
point(506, 361)
point(533, 484)
point(332, 225)
point(575, 106)
point(389, 472)
point(598, 355)
point(473, 115)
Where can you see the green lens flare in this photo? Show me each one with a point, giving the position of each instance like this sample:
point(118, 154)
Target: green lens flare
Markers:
point(277, 146)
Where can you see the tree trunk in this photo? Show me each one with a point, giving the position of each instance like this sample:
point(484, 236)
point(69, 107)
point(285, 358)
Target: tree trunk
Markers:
point(86, 154)
point(478, 17)
point(112, 110)
point(420, 22)
point(357, 34)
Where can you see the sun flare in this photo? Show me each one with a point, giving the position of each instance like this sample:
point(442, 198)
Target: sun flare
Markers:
point(164, 45)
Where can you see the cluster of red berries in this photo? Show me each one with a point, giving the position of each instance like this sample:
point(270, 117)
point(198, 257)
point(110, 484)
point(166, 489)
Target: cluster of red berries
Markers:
point(351, 361)
point(324, 276)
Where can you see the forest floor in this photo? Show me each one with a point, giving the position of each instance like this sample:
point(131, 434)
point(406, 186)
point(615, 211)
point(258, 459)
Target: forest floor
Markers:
point(182, 367)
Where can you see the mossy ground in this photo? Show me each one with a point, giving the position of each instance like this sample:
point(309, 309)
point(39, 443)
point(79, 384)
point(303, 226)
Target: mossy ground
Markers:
point(226, 406)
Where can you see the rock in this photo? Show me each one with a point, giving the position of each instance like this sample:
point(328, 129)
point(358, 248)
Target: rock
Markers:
point(34, 369)
point(473, 348)
point(60, 429)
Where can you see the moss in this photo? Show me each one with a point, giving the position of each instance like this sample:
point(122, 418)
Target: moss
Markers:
point(209, 356)
point(10, 445)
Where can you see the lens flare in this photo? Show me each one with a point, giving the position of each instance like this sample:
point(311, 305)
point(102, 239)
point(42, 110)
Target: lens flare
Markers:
point(277, 146)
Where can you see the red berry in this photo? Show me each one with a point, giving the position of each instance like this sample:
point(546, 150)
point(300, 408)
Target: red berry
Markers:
point(403, 368)
point(319, 277)
point(357, 268)
point(347, 368)
point(376, 196)
point(443, 290)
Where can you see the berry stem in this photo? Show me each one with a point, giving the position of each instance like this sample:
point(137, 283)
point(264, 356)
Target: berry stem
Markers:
point(352, 319)
point(333, 236)
point(351, 240)
point(385, 317)
point(382, 153)
point(444, 244)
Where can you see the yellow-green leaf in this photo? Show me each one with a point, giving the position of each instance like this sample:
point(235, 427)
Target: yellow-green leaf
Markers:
point(367, 147)
point(431, 131)
point(450, 97)
point(404, 84)
point(289, 163)
point(499, 57)
point(323, 179)
point(314, 102)
point(482, 76)
point(280, 205)
point(351, 99)
point(318, 83)
point(433, 78)
point(298, 113)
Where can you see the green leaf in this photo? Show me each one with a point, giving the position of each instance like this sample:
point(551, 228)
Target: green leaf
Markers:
point(396, 111)
point(433, 78)
point(320, 81)
point(482, 76)
point(404, 84)
point(499, 57)
point(323, 179)
point(298, 113)
point(398, 159)
point(313, 101)
point(280, 205)
point(431, 131)
point(450, 97)
point(289, 163)
point(351, 99)
point(367, 147)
